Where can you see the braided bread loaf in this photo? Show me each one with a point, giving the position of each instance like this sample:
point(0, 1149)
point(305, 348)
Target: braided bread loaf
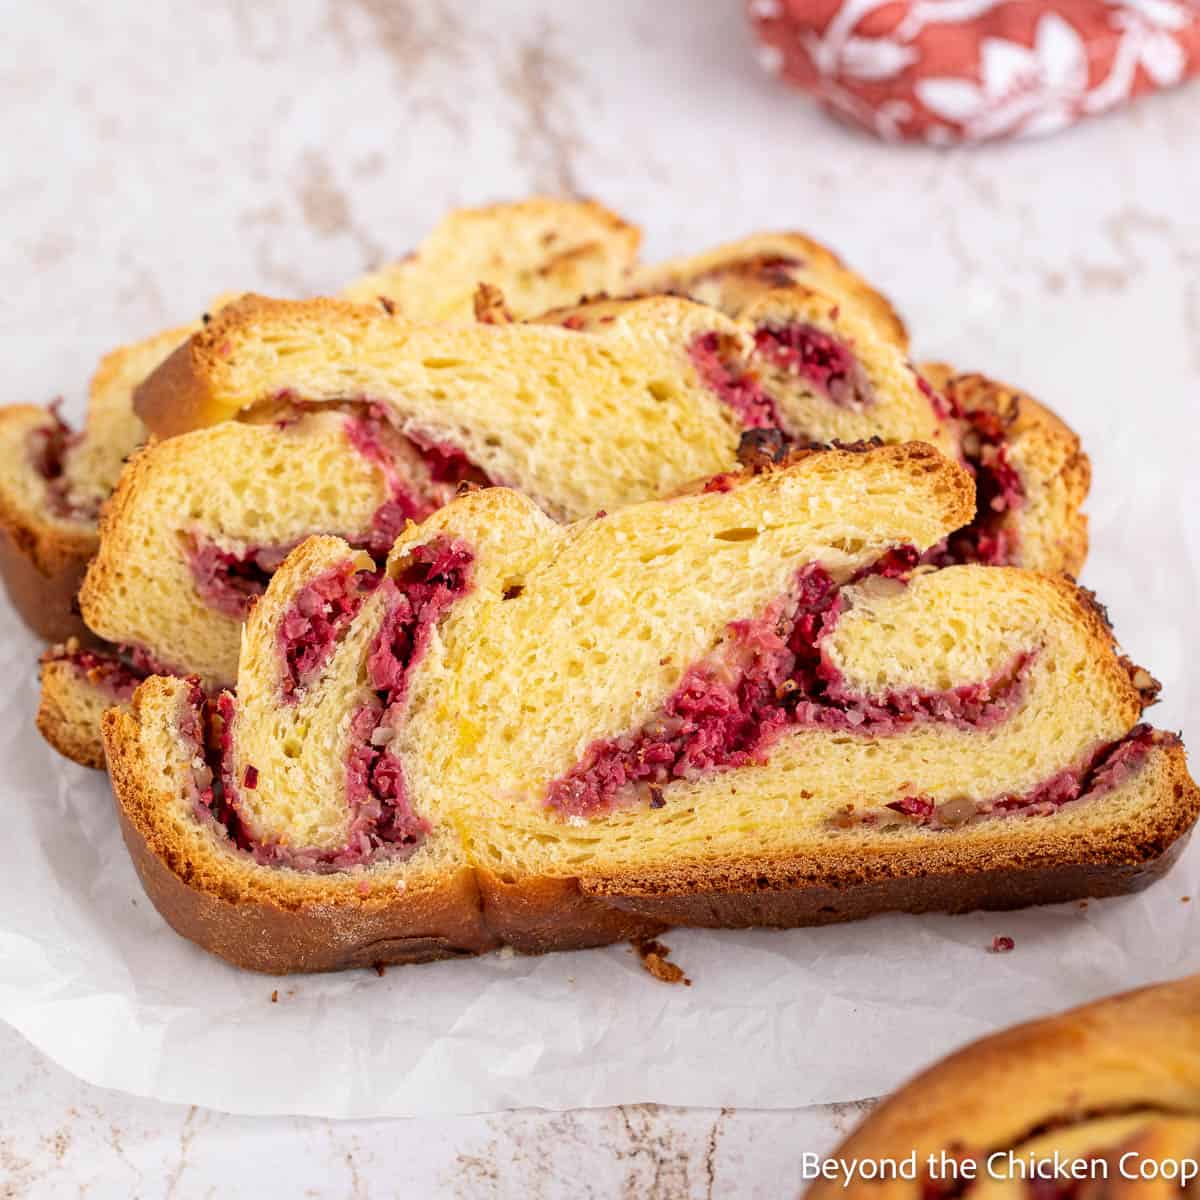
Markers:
point(1107, 1095)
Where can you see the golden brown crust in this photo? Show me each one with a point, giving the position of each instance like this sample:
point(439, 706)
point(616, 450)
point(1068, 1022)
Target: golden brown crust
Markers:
point(539, 915)
point(99, 578)
point(1139, 1051)
point(322, 923)
point(298, 923)
point(998, 869)
point(42, 571)
point(290, 922)
point(746, 263)
point(1052, 533)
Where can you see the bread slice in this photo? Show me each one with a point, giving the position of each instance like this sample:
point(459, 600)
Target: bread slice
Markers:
point(1114, 1084)
point(734, 276)
point(53, 481)
point(578, 425)
point(1012, 443)
point(199, 523)
point(540, 252)
point(738, 706)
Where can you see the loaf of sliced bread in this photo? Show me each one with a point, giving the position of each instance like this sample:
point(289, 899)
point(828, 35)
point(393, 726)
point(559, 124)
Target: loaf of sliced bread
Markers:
point(744, 705)
point(1103, 1100)
point(52, 481)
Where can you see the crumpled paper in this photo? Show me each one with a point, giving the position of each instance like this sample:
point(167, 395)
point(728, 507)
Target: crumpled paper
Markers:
point(949, 71)
point(93, 977)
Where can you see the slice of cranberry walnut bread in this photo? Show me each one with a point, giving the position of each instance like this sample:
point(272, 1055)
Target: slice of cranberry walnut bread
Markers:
point(1113, 1086)
point(739, 706)
point(540, 252)
point(52, 481)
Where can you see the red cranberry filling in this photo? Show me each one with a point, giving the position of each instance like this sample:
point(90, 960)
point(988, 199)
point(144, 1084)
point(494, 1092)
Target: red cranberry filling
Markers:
point(1105, 768)
point(117, 670)
point(227, 581)
point(989, 538)
point(382, 822)
point(743, 393)
point(103, 669)
point(48, 448)
point(437, 574)
point(770, 675)
point(372, 433)
point(820, 359)
point(317, 616)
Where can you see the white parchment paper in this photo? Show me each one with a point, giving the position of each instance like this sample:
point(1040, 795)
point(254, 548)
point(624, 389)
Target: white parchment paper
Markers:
point(93, 977)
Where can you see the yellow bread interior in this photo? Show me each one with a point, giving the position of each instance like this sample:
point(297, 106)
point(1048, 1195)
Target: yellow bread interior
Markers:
point(213, 863)
point(237, 485)
point(615, 398)
point(576, 420)
point(1050, 528)
point(70, 708)
point(25, 498)
point(540, 253)
point(902, 411)
point(112, 430)
point(471, 737)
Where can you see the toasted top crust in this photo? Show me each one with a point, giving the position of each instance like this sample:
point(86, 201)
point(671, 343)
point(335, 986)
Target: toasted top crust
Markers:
point(732, 276)
point(1139, 1051)
point(541, 252)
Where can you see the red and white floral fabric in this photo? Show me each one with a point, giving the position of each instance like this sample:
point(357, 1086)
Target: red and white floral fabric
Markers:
point(947, 71)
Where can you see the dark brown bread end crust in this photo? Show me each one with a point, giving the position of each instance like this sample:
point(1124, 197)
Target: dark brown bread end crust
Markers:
point(42, 581)
point(469, 912)
point(173, 398)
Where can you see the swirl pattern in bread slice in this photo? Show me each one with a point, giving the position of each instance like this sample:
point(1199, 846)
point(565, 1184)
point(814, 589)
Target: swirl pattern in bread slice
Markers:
point(1113, 1086)
point(738, 706)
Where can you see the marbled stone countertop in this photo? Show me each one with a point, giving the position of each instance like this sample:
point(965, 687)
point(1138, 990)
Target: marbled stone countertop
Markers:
point(155, 155)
